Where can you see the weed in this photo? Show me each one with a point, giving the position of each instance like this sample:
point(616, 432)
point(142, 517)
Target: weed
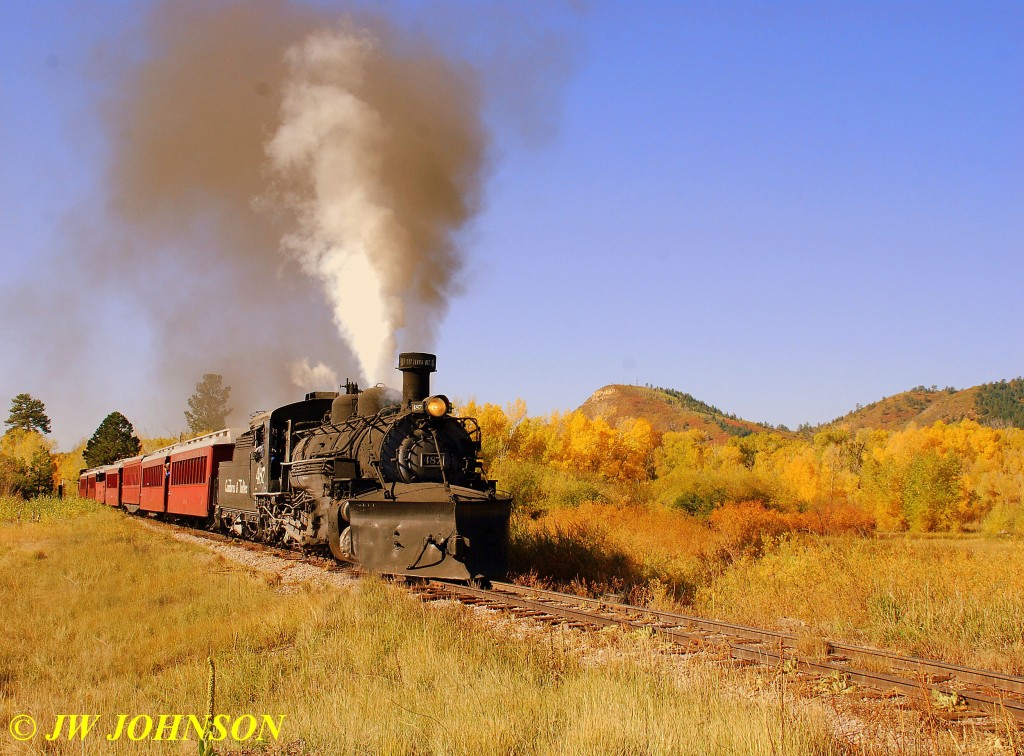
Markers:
point(204, 747)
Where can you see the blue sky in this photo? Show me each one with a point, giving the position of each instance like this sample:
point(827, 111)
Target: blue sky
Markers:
point(784, 209)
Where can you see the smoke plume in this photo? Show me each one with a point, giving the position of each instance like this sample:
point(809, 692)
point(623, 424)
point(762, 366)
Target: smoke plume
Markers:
point(187, 123)
point(269, 158)
point(379, 155)
point(282, 198)
point(315, 377)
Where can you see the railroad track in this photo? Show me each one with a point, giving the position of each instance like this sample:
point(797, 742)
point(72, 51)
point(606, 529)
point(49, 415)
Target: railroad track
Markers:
point(326, 563)
point(938, 685)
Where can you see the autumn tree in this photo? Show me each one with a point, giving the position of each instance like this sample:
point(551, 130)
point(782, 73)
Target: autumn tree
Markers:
point(115, 439)
point(27, 413)
point(12, 474)
point(26, 463)
point(69, 464)
point(208, 406)
point(932, 489)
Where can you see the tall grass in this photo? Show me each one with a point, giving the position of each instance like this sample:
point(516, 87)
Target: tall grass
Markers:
point(17, 509)
point(105, 617)
point(961, 600)
point(636, 552)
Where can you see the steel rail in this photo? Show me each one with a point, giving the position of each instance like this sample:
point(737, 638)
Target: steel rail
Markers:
point(1000, 680)
point(509, 595)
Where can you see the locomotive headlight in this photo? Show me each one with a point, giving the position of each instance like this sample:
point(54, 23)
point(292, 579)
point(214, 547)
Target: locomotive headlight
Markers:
point(437, 406)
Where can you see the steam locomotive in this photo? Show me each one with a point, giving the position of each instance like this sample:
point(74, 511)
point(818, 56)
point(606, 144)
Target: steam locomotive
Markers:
point(394, 486)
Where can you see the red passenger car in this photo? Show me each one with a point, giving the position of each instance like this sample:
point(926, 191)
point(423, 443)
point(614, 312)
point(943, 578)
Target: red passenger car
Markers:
point(179, 479)
point(153, 491)
point(112, 486)
point(193, 471)
point(100, 490)
point(131, 483)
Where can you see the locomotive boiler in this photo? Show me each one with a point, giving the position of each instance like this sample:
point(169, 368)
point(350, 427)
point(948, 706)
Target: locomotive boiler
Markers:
point(394, 485)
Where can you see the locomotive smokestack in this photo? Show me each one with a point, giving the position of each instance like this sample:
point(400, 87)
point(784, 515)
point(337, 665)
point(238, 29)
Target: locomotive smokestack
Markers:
point(416, 368)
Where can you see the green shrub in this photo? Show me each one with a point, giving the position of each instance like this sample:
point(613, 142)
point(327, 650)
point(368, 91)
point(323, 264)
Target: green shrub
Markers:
point(535, 486)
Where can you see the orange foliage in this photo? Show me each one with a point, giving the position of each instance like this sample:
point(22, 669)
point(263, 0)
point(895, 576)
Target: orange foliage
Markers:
point(747, 527)
point(940, 477)
point(648, 551)
point(571, 442)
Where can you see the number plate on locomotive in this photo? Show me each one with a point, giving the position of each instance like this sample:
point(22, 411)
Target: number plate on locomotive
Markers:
point(432, 460)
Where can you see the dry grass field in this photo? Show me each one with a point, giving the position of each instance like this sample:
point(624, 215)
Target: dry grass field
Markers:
point(958, 598)
point(104, 616)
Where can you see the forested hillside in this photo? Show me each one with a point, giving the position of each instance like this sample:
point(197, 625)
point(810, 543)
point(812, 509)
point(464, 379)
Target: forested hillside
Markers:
point(666, 410)
point(1002, 403)
point(998, 405)
point(918, 406)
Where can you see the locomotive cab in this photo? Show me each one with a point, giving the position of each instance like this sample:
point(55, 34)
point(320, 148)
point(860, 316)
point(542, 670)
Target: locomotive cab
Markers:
point(259, 466)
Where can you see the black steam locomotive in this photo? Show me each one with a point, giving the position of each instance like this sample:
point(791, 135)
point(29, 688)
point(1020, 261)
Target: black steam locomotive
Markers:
point(396, 487)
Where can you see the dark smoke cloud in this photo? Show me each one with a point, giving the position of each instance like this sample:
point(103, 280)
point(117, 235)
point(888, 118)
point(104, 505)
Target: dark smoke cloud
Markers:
point(377, 154)
point(214, 241)
point(187, 127)
point(382, 149)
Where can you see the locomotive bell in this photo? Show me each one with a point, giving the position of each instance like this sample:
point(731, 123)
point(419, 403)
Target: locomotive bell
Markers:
point(416, 368)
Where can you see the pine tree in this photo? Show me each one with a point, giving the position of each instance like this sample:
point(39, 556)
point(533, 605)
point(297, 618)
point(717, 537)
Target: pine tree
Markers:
point(38, 480)
point(208, 405)
point(28, 413)
point(1001, 403)
point(115, 439)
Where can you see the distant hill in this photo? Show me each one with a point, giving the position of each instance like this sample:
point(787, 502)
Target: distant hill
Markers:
point(1002, 403)
point(999, 404)
point(665, 410)
point(920, 406)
